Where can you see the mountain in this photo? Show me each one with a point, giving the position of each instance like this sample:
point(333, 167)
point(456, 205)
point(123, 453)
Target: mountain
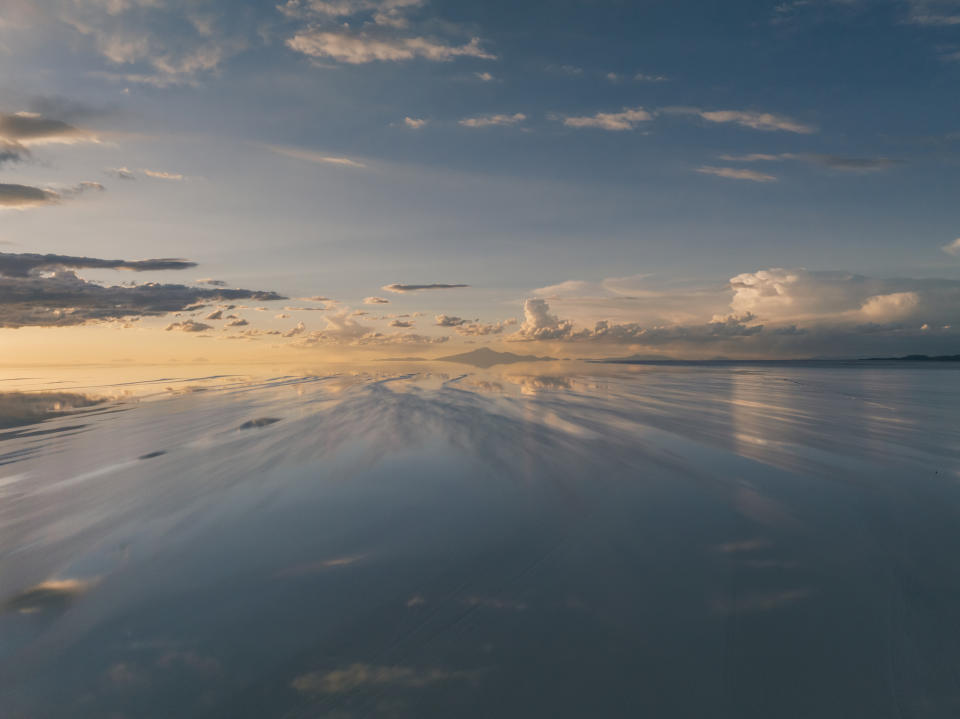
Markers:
point(485, 357)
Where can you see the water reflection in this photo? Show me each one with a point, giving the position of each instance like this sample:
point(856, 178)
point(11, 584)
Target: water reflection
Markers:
point(541, 540)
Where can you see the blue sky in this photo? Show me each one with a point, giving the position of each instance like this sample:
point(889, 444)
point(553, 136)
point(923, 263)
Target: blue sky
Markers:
point(661, 149)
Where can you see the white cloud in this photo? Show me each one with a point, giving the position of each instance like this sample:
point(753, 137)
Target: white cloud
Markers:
point(765, 121)
point(484, 76)
point(312, 156)
point(626, 119)
point(733, 173)
point(376, 301)
point(414, 123)
point(492, 120)
point(160, 175)
point(361, 47)
point(952, 248)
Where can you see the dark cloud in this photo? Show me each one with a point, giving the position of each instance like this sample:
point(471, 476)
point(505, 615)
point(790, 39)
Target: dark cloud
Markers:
point(189, 326)
point(29, 196)
point(397, 287)
point(44, 290)
point(853, 164)
point(11, 152)
point(27, 263)
point(31, 126)
point(449, 321)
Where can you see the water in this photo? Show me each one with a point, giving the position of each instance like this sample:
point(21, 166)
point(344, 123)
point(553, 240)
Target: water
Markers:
point(547, 539)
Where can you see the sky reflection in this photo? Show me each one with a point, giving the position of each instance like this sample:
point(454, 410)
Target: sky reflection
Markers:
point(568, 540)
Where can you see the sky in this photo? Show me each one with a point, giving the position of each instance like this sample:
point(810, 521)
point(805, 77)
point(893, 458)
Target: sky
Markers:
point(329, 179)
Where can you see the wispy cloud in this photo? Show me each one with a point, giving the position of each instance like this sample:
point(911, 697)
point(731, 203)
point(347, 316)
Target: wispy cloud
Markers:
point(626, 119)
point(843, 163)
point(493, 120)
point(398, 287)
point(952, 248)
point(299, 153)
point(160, 175)
point(21, 197)
point(734, 173)
point(415, 123)
point(765, 121)
point(357, 48)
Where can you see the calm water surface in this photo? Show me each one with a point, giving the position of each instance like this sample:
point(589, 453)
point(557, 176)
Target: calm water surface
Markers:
point(541, 540)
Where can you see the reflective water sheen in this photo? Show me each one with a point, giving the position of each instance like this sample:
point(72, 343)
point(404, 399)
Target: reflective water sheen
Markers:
point(544, 540)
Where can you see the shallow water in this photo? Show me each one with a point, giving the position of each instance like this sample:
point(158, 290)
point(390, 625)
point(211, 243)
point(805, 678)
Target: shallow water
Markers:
point(551, 539)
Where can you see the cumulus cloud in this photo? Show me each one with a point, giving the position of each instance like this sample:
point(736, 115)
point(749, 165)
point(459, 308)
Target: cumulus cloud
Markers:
point(952, 248)
point(794, 312)
point(398, 287)
point(44, 290)
point(344, 329)
point(401, 323)
point(414, 123)
point(493, 120)
point(189, 326)
point(448, 321)
point(540, 324)
point(376, 301)
point(361, 47)
point(626, 119)
point(734, 173)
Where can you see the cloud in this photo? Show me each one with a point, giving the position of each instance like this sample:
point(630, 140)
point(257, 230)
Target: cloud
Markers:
point(797, 295)
point(540, 324)
point(158, 174)
point(484, 76)
point(643, 77)
point(626, 119)
point(414, 123)
point(401, 323)
point(376, 301)
point(26, 264)
point(344, 329)
point(215, 315)
point(237, 322)
point(934, 13)
point(211, 282)
point(398, 287)
point(44, 290)
point(771, 312)
point(189, 326)
point(734, 173)
point(134, 37)
point(20, 197)
point(952, 248)
point(312, 156)
point(493, 120)
point(32, 128)
point(120, 173)
point(448, 321)
point(832, 162)
point(371, 677)
point(361, 47)
point(765, 121)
